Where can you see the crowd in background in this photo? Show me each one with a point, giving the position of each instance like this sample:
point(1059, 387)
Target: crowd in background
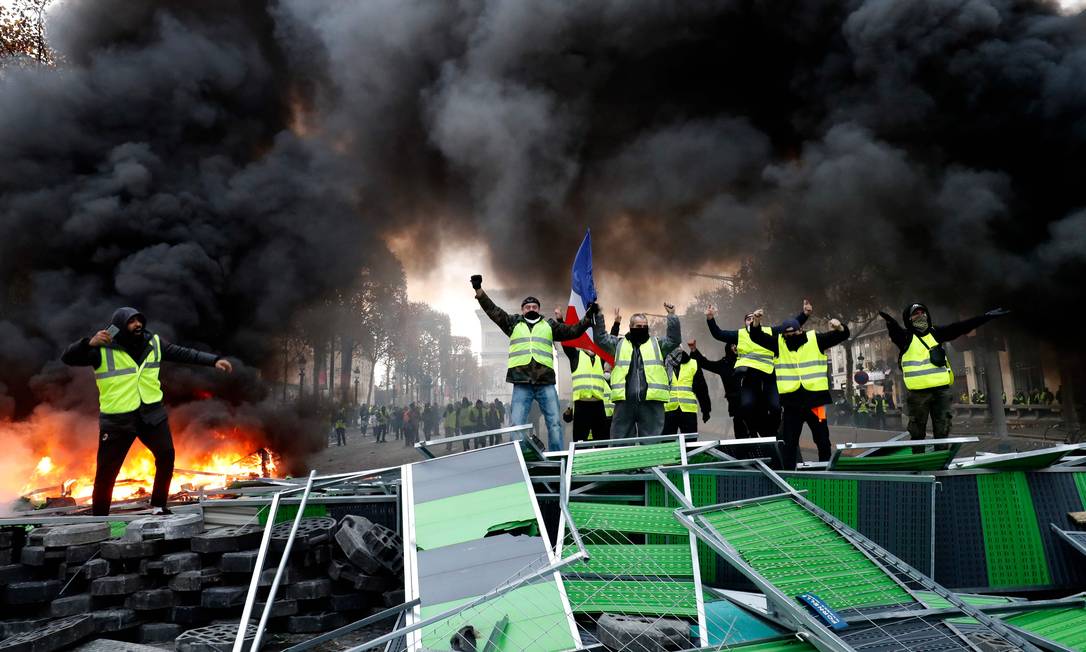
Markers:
point(408, 423)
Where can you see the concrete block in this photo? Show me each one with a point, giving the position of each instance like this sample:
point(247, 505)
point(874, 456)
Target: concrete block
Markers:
point(214, 638)
point(642, 634)
point(279, 609)
point(169, 527)
point(116, 584)
point(50, 636)
point(311, 531)
point(81, 553)
point(6, 555)
point(188, 615)
point(360, 581)
point(310, 589)
point(393, 598)
point(76, 534)
point(149, 567)
point(32, 556)
point(95, 568)
point(370, 546)
point(313, 623)
point(178, 562)
point(71, 605)
point(114, 620)
point(150, 600)
point(13, 573)
point(159, 632)
point(350, 601)
point(116, 549)
point(223, 597)
point(195, 580)
point(242, 561)
point(228, 539)
point(32, 591)
point(36, 537)
point(291, 574)
point(13, 626)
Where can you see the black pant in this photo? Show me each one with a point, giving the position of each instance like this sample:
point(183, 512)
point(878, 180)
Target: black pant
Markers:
point(113, 445)
point(794, 418)
point(588, 416)
point(341, 436)
point(921, 404)
point(678, 421)
point(759, 402)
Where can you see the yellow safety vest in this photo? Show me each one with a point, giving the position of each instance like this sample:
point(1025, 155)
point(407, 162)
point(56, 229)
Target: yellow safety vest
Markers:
point(450, 419)
point(608, 404)
point(804, 367)
point(753, 355)
point(659, 388)
point(682, 389)
point(467, 416)
point(917, 368)
point(588, 381)
point(527, 343)
point(122, 384)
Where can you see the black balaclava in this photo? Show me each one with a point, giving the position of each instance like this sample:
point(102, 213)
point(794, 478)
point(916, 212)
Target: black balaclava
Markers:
point(638, 335)
point(793, 342)
point(532, 316)
point(923, 326)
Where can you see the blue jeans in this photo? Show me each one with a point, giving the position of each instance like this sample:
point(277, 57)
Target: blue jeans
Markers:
point(547, 397)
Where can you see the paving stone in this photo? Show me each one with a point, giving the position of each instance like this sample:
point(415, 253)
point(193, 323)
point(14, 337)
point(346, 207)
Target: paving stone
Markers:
point(242, 561)
point(70, 605)
point(36, 537)
point(350, 601)
point(291, 574)
point(81, 553)
point(170, 528)
point(159, 632)
point(116, 584)
point(311, 531)
point(6, 555)
point(310, 589)
point(151, 567)
point(348, 574)
point(195, 580)
point(312, 623)
point(75, 535)
point(32, 556)
point(317, 557)
point(110, 645)
point(214, 638)
point(32, 591)
point(13, 573)
point(124, 549)
point(13, 626)
point(6, 537)
point(279, 608)
point(114, 620)
point(642, 634)
point(228, 539)
point(95, 568)
point(188, 615)
point(150, 599)
point(393, 598)
point(223, 597)
point(50, 636)
point(178, 562)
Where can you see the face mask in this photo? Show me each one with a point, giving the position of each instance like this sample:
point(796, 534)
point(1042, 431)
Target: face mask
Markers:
point(639, 335)
point(920, 322)
point(531, 315)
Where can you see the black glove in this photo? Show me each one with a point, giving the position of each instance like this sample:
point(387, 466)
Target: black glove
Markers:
point(592, 309)
point(885, 316)
point(997, 312)
point(477, 281)
point(705, 417)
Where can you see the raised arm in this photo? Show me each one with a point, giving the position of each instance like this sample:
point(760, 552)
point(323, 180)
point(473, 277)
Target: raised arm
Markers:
point(186, 355)
point(957, 329)
point(718, 367)
point(762, 338)
point(898, 335)
point(838, 333)
point(501, 319)
point(563, 332)
point(674, 335)
point(701, 392)
point(802, 317)
point(81, 354)
point(604, 340)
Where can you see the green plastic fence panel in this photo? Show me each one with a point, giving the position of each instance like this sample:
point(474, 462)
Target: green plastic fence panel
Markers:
point(667, 560)
point(1080, 482)
point(798, 553)
point(781, 645)
point(1022, 463)
point(901, 461)
point(1012, 539)
point(836, 496)
point(632, 597)
point(628, 458)
point(625, 518)
point(702, 492)
point(288, 512)
point(1067, 627)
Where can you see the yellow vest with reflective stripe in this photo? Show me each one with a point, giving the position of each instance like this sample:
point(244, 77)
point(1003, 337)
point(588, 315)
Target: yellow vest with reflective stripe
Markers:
point(753, 355)
point(588, 381)
point(917, 368)
point(608, 404)
point(659, 388)
point(528, 343)
point(682, 389)
point(804, 367)
point(122, 384)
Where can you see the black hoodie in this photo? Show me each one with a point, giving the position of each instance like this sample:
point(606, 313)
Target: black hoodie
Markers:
point(902, 336)
point(81, 354)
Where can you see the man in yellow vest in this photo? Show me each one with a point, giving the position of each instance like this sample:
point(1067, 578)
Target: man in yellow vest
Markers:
point(688, 392)
point(924, 366)
point(759, 403)
point(587, 391)
point(639, 384)
point(126, 359)
point(531, 358)
point(803, 382)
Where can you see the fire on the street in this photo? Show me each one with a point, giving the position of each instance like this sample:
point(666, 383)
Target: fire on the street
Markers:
point(208, 460)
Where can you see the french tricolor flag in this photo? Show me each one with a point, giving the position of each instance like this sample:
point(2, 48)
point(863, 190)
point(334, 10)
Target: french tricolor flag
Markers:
point(582, 294)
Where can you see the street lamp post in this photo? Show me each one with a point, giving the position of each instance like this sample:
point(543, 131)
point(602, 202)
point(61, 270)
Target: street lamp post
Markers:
point(357, 377)
point(300, 360)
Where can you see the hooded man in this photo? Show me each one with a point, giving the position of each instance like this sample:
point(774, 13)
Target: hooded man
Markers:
point(126, 359)
point(802, 380)
point(640, 387)
point(689, 391)
point(531, 358)
point(725, 368)
point(923, 361)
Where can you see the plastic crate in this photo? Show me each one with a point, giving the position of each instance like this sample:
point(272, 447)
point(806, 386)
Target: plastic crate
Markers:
point(960, 560)
point(1012, 539)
